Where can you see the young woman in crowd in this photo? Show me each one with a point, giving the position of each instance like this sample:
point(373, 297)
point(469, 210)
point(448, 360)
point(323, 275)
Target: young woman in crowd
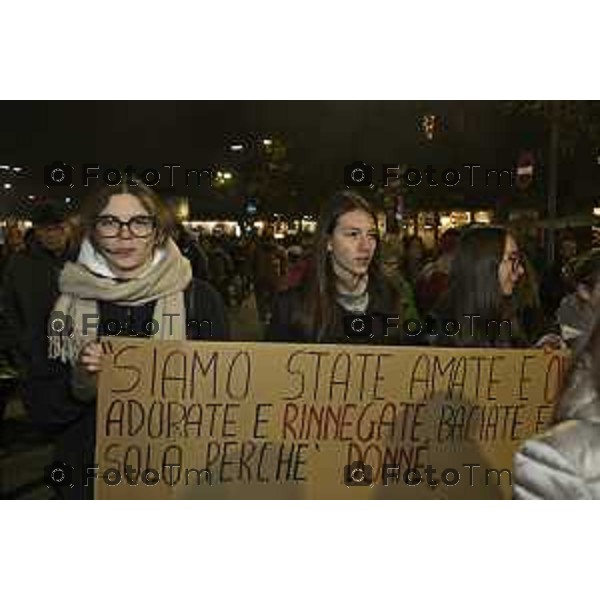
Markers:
point(485, 270)
point(129, 271)
point(343, 280)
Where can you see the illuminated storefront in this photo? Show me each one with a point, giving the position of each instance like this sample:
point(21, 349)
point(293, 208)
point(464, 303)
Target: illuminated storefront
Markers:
point(429, 225)
point(230, 228)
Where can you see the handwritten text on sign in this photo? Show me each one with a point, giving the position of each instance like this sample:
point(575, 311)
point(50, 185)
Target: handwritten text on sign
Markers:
point(266, 420)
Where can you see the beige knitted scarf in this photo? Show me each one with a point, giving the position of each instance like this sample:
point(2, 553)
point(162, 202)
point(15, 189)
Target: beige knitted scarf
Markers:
point(81, 286)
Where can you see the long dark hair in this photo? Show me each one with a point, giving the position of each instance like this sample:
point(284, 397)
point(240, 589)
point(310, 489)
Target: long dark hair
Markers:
point(318, 306)
point(473, 284)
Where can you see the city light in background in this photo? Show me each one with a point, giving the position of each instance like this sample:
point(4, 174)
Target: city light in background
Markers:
point(8, 177)
point(222, 177)
point(428, 125)
point(277, 167)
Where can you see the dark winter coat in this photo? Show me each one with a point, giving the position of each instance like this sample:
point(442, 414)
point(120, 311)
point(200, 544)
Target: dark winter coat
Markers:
point(29, 291)
point(383, 301)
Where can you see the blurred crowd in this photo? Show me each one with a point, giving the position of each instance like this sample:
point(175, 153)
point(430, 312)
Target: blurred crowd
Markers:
point(303, 288)
point(549, 298)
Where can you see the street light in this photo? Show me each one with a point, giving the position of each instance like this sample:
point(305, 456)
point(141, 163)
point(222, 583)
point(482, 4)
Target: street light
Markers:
point(182, 208)
point(236, 147)
point(7, 186)
point(223, 176)
point(267, 142)
point(428, 125)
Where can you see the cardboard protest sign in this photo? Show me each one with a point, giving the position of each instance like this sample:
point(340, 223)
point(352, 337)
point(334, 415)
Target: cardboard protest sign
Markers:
point(258, 420)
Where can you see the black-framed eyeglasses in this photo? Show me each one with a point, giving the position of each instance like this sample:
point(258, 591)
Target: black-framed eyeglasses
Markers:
point(140, 226)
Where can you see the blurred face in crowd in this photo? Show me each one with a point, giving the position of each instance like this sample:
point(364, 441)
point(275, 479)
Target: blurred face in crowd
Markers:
point(391, 266)
point(268, 232)
point(511, 267)
point(126, 248)
point(352, 244)
point(568, 248)
point(53, 237)
point(14, 239)
point(415, 250)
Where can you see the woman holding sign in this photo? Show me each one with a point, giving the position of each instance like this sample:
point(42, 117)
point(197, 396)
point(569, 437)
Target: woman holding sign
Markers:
point(344, 296)
point(130, 279)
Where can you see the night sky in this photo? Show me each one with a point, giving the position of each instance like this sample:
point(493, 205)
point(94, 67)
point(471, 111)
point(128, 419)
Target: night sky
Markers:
point(320, 136)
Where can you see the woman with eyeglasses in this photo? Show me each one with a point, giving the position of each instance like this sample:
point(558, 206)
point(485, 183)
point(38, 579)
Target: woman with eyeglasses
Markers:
point(478, 308)
point(131, 277)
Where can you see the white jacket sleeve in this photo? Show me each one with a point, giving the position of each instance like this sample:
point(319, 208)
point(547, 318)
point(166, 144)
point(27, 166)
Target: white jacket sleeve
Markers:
point(542, 471)
point(564, 462)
